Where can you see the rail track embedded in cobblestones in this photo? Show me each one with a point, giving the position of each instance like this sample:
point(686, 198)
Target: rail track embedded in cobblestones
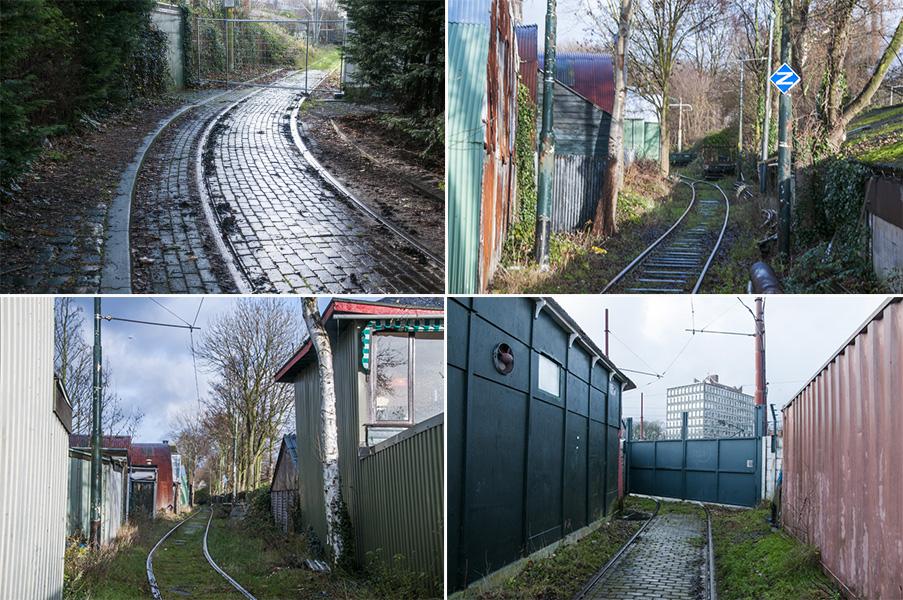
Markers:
point(601, 573)
point(677, 262)
point(710, 554)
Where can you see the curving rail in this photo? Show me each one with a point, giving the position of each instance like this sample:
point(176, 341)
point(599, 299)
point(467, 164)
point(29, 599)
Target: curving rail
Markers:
point(678, 256)
point(217, 568)
point(149, 563)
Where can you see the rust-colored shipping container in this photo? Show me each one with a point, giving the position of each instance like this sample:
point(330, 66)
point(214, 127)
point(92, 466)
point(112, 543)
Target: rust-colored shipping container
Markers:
point(843, 459)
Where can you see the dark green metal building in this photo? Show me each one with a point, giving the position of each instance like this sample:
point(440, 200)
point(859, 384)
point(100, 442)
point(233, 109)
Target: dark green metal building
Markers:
point(534, 412)
point(387, 358)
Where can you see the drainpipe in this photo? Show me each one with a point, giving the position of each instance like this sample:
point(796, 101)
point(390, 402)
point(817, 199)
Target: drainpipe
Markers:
point(96, 466)
point(546, 145)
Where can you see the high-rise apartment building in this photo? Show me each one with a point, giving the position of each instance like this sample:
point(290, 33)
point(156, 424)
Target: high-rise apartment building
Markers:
point(715, 410)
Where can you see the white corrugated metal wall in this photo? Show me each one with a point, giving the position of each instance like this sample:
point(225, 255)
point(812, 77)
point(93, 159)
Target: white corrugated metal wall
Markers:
point(33, 454)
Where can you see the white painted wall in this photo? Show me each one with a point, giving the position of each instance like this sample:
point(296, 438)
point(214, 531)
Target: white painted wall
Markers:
point(34, 448)
point(773, 463)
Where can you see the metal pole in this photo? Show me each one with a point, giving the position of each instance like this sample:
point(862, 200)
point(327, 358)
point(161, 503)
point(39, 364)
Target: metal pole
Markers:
point(197, 24)
point(547, 144)
point(784, 145)
point(306, 56)
point(606, 333)
point(642, 429)
point(680, 130)
point(740, 127)
point(763, 169)
point(96, 466)
point(234, 457)
point(761, 393)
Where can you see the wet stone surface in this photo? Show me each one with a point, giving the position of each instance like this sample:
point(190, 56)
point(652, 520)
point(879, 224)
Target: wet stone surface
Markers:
point(666, 561)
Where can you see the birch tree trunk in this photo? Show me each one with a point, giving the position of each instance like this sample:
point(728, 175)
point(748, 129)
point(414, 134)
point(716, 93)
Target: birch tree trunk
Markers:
point(604, 222)
point(330, 439)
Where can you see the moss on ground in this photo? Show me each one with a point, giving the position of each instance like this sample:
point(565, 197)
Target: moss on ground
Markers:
point(753, 562)
point(882, 142)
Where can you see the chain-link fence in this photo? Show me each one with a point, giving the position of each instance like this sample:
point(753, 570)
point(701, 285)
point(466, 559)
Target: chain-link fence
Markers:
point(267, 51)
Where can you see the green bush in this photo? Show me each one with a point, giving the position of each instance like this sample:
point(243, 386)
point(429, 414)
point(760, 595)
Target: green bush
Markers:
point(60, 60)
point(521, 233)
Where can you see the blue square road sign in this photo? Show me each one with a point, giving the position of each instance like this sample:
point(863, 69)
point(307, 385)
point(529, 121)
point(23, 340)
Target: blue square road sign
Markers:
point(784, 78)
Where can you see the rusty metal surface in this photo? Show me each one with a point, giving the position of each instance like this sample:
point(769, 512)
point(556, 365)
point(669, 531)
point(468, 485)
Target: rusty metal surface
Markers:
point(527, 49)
point(160, 456)
point(843, 459)
point(592, 75)
point(498, 187)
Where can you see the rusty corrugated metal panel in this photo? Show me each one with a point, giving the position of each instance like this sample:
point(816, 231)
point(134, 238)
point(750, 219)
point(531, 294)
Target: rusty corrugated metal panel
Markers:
point(499, 176)
point(527, 50)
point(34, 449)
point(160, 456)
point(592, 75)
point(842, 484)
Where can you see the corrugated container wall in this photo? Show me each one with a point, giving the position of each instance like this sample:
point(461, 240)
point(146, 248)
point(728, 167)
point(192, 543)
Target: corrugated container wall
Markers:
point(482, 99)
point(843, 451)
point(78, 512)
point(34, 447)
point(527, 466)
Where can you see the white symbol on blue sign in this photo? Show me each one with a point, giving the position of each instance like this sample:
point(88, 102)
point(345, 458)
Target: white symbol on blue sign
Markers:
point(784, 78)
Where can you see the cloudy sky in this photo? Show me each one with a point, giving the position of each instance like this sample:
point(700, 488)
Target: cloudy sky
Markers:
point(647, 334)
point(152, 366)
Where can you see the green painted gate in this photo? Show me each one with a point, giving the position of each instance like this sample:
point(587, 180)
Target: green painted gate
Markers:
point(723, 471)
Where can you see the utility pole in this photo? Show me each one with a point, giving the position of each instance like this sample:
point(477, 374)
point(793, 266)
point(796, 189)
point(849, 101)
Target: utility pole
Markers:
point(766, 131)
point(784, 107)
point(546, 144)
point(96, 465)
point(606, 333)
point(680, 121)
point(234, 457)
point(742, 62)
point(642, 430)
point(761, 386)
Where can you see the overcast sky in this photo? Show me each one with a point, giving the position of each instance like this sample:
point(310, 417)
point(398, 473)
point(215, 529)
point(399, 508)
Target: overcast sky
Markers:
point(647, 334)
point(152, 366)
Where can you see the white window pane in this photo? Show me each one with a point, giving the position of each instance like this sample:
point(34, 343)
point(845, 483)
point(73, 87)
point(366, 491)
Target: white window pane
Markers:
point(548, 376)
point(390, 368)
point(429, 377)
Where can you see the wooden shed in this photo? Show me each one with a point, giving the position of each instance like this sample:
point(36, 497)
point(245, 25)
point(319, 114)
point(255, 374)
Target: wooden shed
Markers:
point(284, 489)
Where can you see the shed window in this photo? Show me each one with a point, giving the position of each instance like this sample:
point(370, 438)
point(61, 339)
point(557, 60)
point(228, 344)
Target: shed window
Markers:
point(407, 382)
point(549, 379)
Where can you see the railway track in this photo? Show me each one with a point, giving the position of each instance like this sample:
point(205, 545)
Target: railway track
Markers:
point(708, 591)
point(677, 262)
point(152, 578)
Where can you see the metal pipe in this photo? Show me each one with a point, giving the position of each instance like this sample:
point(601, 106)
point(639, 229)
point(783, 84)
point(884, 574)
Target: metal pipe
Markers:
point(547, 144)
point(764, 280)
point(306, 57)
point(763, 169)
point(96, 465)
point(784, 108)
point(642, 429)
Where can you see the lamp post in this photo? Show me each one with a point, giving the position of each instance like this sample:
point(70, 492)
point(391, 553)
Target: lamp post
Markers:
point(547, 144)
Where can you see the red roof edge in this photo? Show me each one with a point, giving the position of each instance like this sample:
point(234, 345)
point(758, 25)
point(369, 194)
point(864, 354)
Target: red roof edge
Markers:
point(356, 308)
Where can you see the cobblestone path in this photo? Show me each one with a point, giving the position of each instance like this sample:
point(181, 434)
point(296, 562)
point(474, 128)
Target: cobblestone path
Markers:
point(289, 231)
point(667, 562)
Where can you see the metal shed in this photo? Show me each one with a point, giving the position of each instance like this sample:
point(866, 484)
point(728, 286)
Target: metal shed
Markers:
point(151, 469)
point(482, 114)
point(392, 488)
point(284, 488)
point(35, 418)
point(534, 410)
point(113, 503)
point(843, 451)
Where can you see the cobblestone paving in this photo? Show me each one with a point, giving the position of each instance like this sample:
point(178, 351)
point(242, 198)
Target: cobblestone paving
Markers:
point(290, 232)
point(667, 562)
point(171, 245)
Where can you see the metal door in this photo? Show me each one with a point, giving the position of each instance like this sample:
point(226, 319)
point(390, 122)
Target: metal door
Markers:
point(141, 499)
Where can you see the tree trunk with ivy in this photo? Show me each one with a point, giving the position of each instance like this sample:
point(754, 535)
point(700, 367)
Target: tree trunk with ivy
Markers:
point(605, 222)
point(329, 450)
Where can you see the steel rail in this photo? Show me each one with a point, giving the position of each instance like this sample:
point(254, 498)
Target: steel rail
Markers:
point(710, 557)
point(727, 214)
point(149, 564)
point(642, 256)
point(345, 193)
point(614, 559)
point(217, 568)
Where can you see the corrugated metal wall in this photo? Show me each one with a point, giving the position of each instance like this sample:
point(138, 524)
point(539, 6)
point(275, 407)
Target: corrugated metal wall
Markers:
point(394, 497)
point(641, 140)
point(581, 148)
point(482, 98)
point(592, 75)
point(78, 512)
point(527, 49)
point(33, 454)
point(843, 451)
point(525, 467)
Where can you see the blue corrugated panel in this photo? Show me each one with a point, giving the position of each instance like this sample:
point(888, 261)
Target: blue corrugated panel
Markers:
point(468, 45)
point(469, 11)
point(527, 49)
point(592, 75)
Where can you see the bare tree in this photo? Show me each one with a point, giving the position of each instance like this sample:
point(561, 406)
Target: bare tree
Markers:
point(73, 361)
point(192, 441)
point(329, 444)
point(605, 221)
point(245, 348)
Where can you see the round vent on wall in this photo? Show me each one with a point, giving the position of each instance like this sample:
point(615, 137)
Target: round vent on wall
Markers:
point(503, 359)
